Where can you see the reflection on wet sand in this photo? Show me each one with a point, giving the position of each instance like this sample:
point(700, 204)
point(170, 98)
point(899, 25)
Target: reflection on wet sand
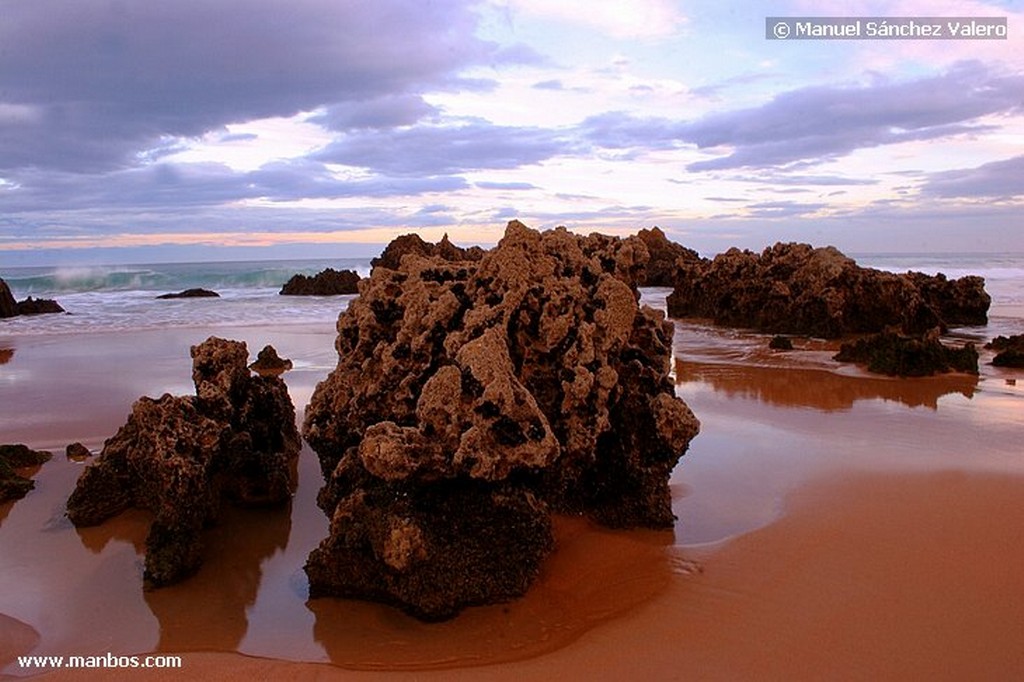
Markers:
point(5, 509)
point(595, 576)
point(208, 611)
point(818, 388)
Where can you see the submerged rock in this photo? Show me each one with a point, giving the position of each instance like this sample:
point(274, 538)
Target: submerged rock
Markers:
point(329, 282)
point(472, 398)
point(191, 293)
point(1009, 350)
point(12, 485)
point(909, 356)
point(179, 456)
point(798, 289)
point(780, 342)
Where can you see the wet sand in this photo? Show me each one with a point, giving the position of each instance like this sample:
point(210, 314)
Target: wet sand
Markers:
point(831, 525)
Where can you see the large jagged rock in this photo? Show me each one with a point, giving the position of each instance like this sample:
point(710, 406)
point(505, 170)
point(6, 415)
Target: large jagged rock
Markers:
point(8, 305)
point(328, 282)
point(896, 354)
point(797, 289)
point(666, 258)
point(179, 456)
point(470, 399)
point(12, 485)
point(391, 258)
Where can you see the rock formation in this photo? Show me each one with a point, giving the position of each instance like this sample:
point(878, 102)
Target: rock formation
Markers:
point(413, 243)
point(666, 258)
point(329, 282)
point(12, 485)
point(191, 293)
point(179, 456)
point(1009, 350)
point(9, 307)
point(798, 289)
point(268, 362)
point(472, 398)
point(896, 354)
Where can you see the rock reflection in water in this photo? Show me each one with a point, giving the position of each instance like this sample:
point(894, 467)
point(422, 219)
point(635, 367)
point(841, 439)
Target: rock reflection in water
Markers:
point(207, 612)
point(820, 389)
point(6, 354)
point(595, 575)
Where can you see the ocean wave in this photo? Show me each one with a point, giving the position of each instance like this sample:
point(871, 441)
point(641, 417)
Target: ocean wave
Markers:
point(53, 282)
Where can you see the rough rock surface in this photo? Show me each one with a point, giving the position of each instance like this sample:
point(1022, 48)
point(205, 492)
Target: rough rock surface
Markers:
point(391, 258)
point(191, 293)
point(1009, 350)
point(179, 456)
point(958, 302)
point(12, 485)
point(470, 399)
point(666, 258)
point(909, 356)
point(329, 282)
point(798, 289)
point(780, 342)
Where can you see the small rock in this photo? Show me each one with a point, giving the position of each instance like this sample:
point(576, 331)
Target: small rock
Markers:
point(780, 342)
point(12, 485)
point(1010, 350)
point(268, 363)
point(327, 282)
point(895, 354)
point(76, 452)
point(191, 293)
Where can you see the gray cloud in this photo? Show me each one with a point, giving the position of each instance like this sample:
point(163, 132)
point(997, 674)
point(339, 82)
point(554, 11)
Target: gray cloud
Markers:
point(817, 124)
point(171, 187)
point(96, 81)
point(446, 150)
point(1000, 179)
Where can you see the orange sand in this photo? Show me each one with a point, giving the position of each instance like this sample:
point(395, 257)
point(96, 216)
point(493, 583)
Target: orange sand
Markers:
point(831, 526)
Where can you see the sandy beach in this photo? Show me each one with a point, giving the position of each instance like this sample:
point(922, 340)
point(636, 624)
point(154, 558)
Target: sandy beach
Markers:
point(831, 525)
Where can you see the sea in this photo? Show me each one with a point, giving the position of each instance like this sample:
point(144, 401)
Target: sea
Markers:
point(124, 297)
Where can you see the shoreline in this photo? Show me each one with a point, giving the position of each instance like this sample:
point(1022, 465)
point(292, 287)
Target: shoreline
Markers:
point(807, 487)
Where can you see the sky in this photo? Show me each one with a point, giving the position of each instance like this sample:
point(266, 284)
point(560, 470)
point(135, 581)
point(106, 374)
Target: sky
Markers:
point(202, 129)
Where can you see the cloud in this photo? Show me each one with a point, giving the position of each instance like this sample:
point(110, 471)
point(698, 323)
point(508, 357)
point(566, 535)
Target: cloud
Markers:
point(89, 84)
point(388, 111)
point(171, 187)
point(1000, 179)
point(619, 20)
point(812, 125)
point(826, 122)
point(429, 150)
